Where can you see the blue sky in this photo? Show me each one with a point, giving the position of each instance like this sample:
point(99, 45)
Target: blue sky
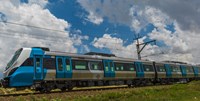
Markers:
point(76, 15)
point(71, 11)
point(107, 26)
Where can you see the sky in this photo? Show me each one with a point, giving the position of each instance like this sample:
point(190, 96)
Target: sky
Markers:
point(106, 26)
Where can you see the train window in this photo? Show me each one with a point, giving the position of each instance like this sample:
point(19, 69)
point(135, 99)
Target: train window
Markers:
point(129, 67)
point(175, 69)
point(95, 65)
point(67, 65)
point(60, 64)
point(111, 66)
point(189, 69)
point(119, 66)
point(37, 62)
point(80, 65)
point(49, 63)
point(106, 67)
point(28, 62)
point(198, 69)
point(160, 68)
point(148, 68)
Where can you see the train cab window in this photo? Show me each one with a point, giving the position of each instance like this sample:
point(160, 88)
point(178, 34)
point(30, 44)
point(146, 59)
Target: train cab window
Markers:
point(160, 68)
point(67, 61)
point(28, 62)
point(60, 64)
point(148, 68)
point(95, 65)
point(80, 65)
point(49, 63)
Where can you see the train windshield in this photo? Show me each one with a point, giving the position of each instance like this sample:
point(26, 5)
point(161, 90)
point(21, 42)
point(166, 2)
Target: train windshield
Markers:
point(14, 58)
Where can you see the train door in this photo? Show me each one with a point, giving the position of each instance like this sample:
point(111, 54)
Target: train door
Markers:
point(108, 68)
point(168, 70)
point(139, 69)
point(183, 71)
point(38, 68)
point(60, 72)
point(195, 71)
point(68, 67)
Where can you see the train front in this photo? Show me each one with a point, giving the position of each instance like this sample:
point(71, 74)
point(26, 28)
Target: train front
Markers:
point(18, 73)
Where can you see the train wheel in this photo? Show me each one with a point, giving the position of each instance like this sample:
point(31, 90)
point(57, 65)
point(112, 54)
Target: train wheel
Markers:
point(63, 89)
point(70, 88)
point(42, 90)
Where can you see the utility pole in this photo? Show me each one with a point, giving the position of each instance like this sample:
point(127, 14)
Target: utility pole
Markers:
point(144, 44)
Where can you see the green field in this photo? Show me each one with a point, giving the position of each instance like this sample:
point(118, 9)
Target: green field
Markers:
point(176, 92)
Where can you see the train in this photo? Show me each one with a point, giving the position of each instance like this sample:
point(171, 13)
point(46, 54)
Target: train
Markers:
point(44, 70)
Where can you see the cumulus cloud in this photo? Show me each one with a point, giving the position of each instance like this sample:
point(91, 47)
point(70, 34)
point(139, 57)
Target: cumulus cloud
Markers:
point(34, 13)
point(94, 19)
point(185, 12)
point(117, 47)
point(180, 44)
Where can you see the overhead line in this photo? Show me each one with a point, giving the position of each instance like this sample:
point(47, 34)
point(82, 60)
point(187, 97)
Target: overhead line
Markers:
point(19, 24)
point(37, 27)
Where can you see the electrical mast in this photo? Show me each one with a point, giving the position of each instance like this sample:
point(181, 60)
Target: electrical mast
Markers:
point(144, 44)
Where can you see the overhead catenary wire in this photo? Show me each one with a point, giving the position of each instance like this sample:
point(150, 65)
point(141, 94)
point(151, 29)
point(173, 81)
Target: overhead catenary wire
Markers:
point(7, 34)
point(60, 31)
point(42, 28)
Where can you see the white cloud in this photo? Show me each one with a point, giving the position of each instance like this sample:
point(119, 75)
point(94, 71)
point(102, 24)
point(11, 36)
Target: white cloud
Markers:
point(94, 18)
point(180, 45)
point(34, 13)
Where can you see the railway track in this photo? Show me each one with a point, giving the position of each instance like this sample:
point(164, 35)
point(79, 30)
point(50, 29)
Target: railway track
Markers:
point(75, 90)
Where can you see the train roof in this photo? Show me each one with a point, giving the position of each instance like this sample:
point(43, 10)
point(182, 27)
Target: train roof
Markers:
point(89, 56)
point(100, 56)
point(114, 58)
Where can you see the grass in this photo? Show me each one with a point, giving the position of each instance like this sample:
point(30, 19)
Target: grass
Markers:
point(176, 92)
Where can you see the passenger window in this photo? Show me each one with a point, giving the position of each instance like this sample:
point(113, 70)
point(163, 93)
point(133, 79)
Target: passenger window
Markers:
point(175, 68)
point(68, 65)
point(119, 67)
point(60, 64)
point(160, 69)
point(96, 65)
point(189, 69)
point(80, 65)
point(129, 67)
point(49, 63)
point(148, 68)
point(37, 62)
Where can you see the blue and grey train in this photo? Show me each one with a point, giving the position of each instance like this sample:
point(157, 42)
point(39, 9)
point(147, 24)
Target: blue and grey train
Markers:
point(44, 70)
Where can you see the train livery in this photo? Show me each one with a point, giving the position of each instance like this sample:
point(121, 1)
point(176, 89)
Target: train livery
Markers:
point(44, 70)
